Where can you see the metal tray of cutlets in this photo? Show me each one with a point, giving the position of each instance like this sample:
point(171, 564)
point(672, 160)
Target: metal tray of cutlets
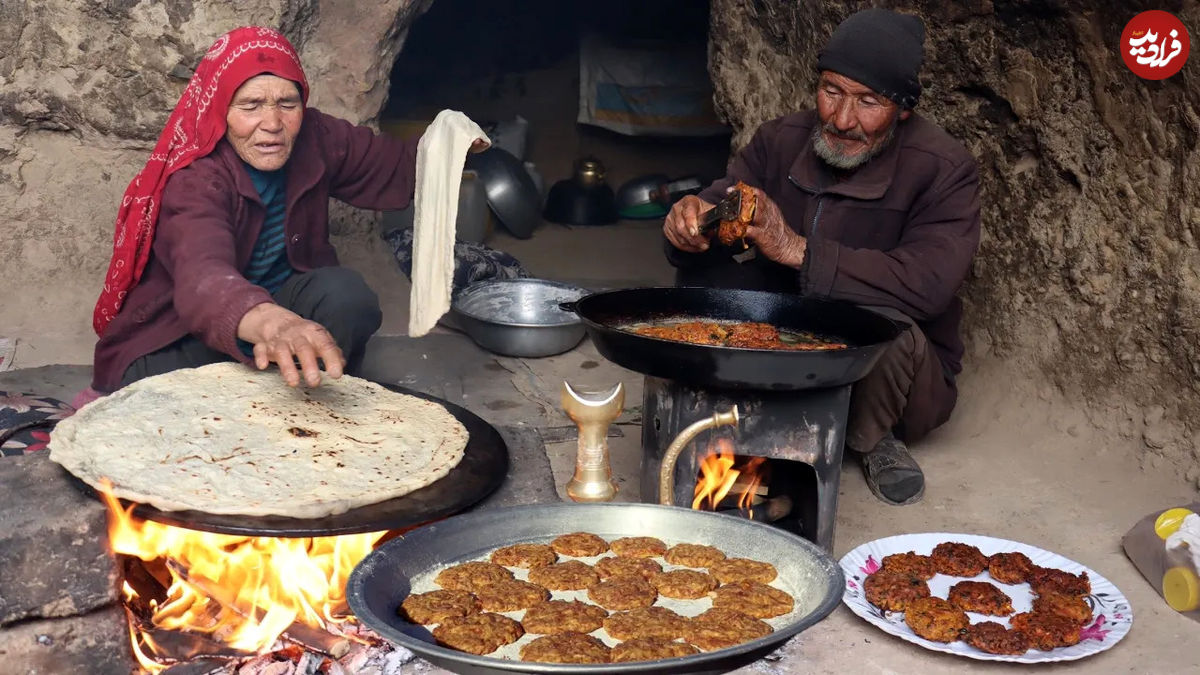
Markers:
point(387, 575)
point(481, 471)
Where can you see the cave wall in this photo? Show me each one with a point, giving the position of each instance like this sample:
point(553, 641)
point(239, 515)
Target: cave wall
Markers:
point(1088, 271)
point(85, 87)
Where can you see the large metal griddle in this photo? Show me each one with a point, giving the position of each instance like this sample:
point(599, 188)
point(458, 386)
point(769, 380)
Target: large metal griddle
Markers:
point(383, 579)
point(609, 317)
point(482, 470)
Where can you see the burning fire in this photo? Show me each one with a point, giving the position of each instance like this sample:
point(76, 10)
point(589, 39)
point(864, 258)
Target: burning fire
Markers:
point(718, 478)
point(241, 591)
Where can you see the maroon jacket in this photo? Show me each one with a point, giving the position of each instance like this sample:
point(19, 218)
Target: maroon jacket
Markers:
point(210, 219)
point(900, 231)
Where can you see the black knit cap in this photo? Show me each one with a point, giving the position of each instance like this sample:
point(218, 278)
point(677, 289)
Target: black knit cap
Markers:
point(879, 48)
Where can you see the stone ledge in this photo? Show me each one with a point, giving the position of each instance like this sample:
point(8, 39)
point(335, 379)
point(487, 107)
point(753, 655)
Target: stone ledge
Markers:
point(54, 545)
point(95, 643)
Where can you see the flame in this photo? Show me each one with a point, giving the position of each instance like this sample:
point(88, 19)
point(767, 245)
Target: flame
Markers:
point(264, 584)
point(717, 478)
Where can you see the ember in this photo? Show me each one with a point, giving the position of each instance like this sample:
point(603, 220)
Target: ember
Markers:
point(228, 595)
point(719, 480)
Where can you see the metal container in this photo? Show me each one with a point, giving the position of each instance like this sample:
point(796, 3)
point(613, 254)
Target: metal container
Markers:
point(520, 317)
point(384, 578)
point(511, 192)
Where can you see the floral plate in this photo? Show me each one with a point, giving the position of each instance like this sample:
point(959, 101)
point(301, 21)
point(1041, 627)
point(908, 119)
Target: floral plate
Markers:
point(1111, 614)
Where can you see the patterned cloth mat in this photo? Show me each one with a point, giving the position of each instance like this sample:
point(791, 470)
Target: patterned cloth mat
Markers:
point(26, 421)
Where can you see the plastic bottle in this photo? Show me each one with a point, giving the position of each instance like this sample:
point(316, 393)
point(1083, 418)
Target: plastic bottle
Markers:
point(1179, 528)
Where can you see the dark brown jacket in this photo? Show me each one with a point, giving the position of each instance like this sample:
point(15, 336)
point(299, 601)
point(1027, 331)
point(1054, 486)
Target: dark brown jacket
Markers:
point(210, 219)
point(900, 231)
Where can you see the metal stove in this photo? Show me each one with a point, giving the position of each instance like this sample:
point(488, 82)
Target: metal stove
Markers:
point(806, 428)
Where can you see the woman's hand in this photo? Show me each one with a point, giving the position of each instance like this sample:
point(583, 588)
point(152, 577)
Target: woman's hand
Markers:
point(479, 145)
point(284, 337)
point(682, 226)
point(771, 234)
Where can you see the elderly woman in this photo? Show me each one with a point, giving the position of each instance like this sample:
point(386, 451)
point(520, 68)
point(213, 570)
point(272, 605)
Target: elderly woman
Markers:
point(222, 247)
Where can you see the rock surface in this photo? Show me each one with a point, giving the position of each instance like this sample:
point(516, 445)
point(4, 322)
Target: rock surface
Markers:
point(53, 546)
point(95, 643)
point(1088, 270)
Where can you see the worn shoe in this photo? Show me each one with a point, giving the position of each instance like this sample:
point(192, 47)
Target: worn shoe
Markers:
point(892, 474)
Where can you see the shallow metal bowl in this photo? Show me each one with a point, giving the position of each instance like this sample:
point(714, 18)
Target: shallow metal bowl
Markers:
point(384, 578)
point(520, 317)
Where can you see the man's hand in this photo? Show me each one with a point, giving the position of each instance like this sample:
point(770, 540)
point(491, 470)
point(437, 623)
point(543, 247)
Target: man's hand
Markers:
point(479, 145)
point(771, 234)
point(682, 225)
point(285, 337)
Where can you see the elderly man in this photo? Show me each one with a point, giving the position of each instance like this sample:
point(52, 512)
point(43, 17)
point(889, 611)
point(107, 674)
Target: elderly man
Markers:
point(862, 200)
point(222, 247)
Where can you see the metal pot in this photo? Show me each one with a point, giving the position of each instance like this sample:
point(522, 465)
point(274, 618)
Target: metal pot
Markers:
point(511, 192)
point(520, 317)
point(582, 199)
point(636, 197)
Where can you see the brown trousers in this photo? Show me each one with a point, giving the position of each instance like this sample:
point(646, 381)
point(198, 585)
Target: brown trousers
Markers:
point(906, 393)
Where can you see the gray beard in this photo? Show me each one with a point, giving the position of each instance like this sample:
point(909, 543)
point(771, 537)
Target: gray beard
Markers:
point(838, 160)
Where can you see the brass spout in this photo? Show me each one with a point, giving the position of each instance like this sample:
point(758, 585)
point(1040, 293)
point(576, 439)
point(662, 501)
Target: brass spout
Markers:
point(666, 474)
point(592, 413)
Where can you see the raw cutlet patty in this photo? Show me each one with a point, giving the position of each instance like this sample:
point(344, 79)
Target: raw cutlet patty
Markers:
point(694, 555)
point(478, 633)
point(935, 619)
point(638, 547)
point(435, 606)
point(1010, 568)
point(1048, 580)
point(753, 599)
point(622, 593)
point(579, 545)
point(621, 566)
point(743, 569)
point(571, 575)
point(980, 597)
point(683, 584)
point(511, 595)
point(524, 555)
point(568, 647)
point(920, 566)
point(558, 616)
point(651, 649)
point(995, 638)
point(1073, 607)
point(958, 560)
point(893, 591)
point(720, 628)
point(1046, 631)
point(471, 576)
point(646, 622)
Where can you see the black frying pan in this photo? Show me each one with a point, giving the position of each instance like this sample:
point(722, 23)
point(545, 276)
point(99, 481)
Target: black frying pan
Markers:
point(608, 315)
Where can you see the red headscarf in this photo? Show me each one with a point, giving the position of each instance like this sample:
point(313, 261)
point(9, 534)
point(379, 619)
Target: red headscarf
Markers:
point(192, 131)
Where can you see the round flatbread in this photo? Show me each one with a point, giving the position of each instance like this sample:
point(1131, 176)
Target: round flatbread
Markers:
point(228, 439)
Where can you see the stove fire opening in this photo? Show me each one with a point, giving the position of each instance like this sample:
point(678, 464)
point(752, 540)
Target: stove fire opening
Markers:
point(766, 489)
